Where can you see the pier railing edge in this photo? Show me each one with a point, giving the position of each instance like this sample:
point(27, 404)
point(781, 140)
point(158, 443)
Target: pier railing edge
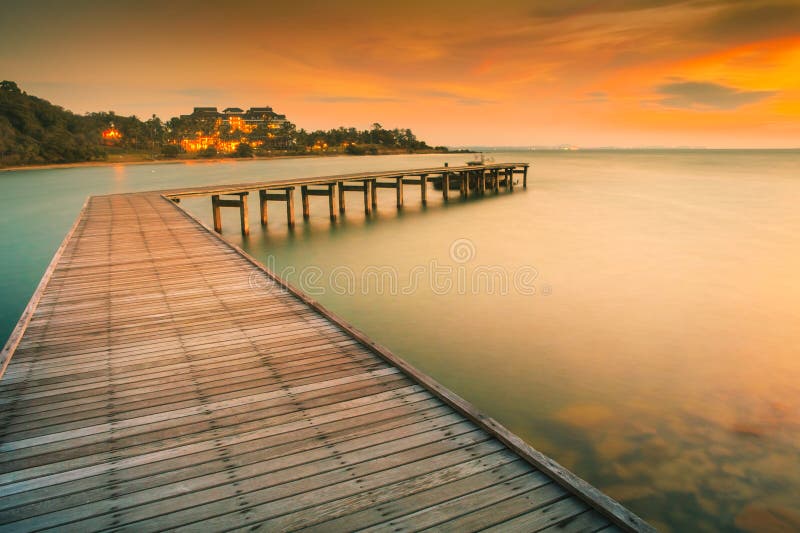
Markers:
point(607, 506)
point(19, 330)
point(208, 190)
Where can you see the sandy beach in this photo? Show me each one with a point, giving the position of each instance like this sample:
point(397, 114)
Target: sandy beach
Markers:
point(160, 162)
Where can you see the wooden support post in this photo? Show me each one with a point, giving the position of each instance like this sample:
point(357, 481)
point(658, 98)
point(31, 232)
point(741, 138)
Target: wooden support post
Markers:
point(446, 184)
point(400, 191)
point(290, 206)
point(482, 181)
point(525, 177)
point(424, 188)
point(216, 213)
point(374, 193)
point(241, 203)
point(367, 199)
point(511, 180)
point(304, 196)
point(244, 217)
point(496, 182)
point(341, 197)
point(332, 200)
point(262, 198)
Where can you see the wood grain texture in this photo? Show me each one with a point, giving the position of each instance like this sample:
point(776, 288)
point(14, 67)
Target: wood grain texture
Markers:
point(162, 378)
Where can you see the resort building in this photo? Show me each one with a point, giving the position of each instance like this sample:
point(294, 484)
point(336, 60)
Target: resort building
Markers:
point(257, 126)
point(111, 135)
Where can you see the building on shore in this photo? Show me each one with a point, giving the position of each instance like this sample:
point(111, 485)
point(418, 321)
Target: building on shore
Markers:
point(111, 135)
point(225, 130)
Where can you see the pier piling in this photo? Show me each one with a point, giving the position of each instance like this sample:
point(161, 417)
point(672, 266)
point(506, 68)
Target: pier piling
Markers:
point(400, 191)
point(469, 179)
point(286, 194)
point(241, 203)
point(304, 196)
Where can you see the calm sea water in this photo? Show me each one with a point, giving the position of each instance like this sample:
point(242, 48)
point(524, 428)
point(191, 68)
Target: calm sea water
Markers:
point(634, 315)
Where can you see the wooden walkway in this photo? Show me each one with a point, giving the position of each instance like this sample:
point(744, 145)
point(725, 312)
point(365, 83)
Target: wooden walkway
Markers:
point(161, 379)
point(468, 179)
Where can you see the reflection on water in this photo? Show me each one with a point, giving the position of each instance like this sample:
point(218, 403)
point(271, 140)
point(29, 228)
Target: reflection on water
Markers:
point(657, 355)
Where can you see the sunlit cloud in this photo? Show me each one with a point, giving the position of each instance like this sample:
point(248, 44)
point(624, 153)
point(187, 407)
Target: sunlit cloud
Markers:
point(752, 21)
point(212, 93)
point(351, 99)
point(596, 97)
point(707, 95)
point(572, 71)
point(571, 8)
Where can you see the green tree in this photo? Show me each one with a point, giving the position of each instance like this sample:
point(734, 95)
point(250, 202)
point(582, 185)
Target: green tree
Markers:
point(33, 130)
point(243, 150)
point(170, 151)
point(156, 130)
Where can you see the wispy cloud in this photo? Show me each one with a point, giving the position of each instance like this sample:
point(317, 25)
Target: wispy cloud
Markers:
point(456, 97)
point(569, 8)
point(210, 93)
point(595, 97)
point(707, 95)
point(746, 21)
point(581, 66)
point(475, 101)
point(332, 99)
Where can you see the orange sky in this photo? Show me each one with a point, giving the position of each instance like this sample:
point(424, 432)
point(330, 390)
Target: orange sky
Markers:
point(716, 73)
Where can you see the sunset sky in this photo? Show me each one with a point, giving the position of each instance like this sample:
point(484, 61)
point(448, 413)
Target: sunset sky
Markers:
point(716, 73)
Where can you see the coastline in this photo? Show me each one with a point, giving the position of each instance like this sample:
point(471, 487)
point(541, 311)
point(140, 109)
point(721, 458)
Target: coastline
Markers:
point(82, 164)
point(108, 163)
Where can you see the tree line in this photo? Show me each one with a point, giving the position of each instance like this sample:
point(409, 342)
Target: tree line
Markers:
point(34, 131)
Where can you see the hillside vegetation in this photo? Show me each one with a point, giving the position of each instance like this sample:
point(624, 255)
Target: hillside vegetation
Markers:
point(34, 131)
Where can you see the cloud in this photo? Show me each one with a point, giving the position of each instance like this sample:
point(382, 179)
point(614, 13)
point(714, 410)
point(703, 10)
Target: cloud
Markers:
point(352, 99)
point(568, 8)
point(596, 96)
point(707, 95)
point(458, 98)
point(717, 21)
point(440, 94)
point(210, 93)
point(753, 21)
point(475, 101)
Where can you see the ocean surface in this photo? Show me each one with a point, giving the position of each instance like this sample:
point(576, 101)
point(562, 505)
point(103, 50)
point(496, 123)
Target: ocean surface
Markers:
point(633, 314)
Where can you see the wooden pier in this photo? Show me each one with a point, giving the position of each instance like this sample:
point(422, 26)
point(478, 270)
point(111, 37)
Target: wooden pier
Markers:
point(160, 378)
point(469, 180)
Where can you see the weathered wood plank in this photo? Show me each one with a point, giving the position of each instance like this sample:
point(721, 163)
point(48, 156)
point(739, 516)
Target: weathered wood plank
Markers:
point(162, 378)
point(500, 511)
point(417, 496)
point(200, 462)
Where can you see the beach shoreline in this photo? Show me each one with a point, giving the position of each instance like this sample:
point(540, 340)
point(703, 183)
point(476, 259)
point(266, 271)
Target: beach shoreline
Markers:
point(111, 163)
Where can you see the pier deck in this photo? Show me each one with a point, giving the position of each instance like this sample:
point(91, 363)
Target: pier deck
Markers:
point(162, 379)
